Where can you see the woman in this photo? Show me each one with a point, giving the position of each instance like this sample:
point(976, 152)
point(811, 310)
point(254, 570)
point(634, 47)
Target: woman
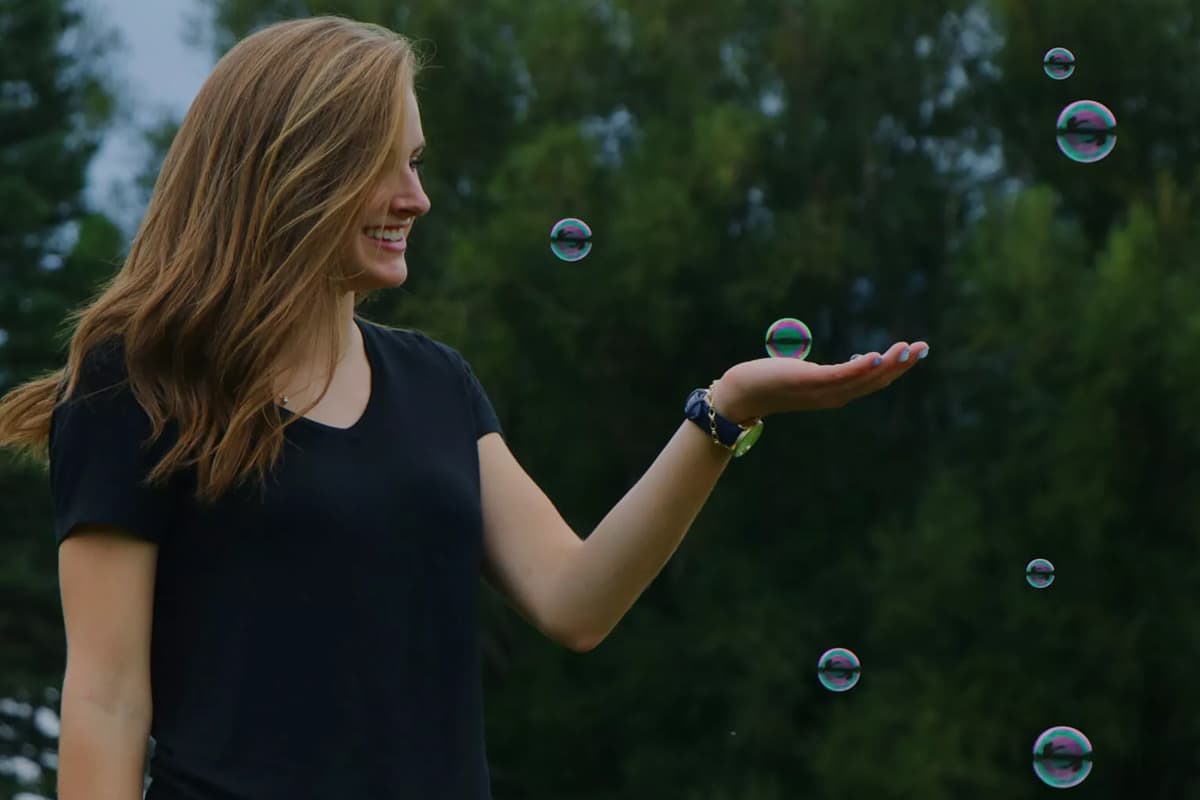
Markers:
point(272, 514)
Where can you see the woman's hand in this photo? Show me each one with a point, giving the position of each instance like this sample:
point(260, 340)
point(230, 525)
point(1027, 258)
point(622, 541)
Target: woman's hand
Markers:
point(768, 386)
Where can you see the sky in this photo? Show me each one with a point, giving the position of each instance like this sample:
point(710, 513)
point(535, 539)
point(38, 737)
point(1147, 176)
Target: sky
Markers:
point(155, 71)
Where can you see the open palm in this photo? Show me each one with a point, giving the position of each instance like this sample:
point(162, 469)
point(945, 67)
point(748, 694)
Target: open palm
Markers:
point(768, 386)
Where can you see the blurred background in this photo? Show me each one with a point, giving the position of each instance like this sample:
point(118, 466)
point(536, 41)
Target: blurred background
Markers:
point(880, 170)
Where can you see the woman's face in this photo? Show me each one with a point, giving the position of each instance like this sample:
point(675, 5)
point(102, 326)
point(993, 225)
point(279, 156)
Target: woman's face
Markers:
point(381, 239)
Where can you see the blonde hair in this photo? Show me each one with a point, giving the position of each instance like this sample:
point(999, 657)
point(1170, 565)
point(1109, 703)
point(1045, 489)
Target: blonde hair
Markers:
point(240, 258)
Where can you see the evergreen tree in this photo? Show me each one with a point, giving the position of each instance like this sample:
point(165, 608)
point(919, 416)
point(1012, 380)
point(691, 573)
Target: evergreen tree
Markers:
point(54, 106)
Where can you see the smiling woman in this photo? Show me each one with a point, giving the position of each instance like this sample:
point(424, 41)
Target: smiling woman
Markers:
point(311, 633)
point(395, 203)
point(273, 515)
point(241, 275)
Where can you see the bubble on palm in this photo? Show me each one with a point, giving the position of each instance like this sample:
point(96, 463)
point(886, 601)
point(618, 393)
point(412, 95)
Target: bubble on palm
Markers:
point(788, 338)
point(1062, 757)
point(1059, 63)
point(1086, 131)
point(571, 239)
point(838, 669)
point(1039, 573)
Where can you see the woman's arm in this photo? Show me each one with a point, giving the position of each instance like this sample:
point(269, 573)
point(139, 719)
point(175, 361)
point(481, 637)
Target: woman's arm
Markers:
point(576, 591)
point(639, 535)
point(107, 584)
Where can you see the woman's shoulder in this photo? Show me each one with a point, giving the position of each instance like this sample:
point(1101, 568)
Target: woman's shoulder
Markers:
point(415, 343)
point(102, 368)
point(101, 409)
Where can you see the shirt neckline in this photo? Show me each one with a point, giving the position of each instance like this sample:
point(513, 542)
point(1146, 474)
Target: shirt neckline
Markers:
point(373, 363)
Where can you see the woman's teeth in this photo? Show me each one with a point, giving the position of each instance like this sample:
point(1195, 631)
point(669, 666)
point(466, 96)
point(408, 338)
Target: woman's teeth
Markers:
point(386, 234)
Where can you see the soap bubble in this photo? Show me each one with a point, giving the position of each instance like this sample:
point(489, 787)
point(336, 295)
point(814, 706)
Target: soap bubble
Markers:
point(788, 338)
point(1062, 757)
point(1086, 131)
point(571, 239)
point(1040, 573)
point(838, 669)
point(1059, 63)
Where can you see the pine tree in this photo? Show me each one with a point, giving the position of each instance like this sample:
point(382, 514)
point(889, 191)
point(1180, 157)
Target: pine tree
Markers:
point(54, 108)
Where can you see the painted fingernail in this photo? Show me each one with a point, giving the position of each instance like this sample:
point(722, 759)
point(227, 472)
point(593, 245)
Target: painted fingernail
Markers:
point(924, 353)
point(904, 355)
point(856, 355)
point(878, 360)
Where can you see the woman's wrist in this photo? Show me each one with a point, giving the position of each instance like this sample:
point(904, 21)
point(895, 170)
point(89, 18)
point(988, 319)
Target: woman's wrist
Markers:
point(727, 401)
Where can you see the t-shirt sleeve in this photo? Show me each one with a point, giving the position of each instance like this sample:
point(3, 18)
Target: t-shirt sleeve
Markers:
point(98, 458)
point(482, 409)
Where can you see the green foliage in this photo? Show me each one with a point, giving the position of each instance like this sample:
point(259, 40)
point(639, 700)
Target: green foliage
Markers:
point(832, 160)
point(53, 109)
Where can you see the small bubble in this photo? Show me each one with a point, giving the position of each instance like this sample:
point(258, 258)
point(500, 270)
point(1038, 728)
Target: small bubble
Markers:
point(1040, 573)
point(1059, 63)
point(838, 669)
point(788, 338)
point(571, 239)
point(1086, 131)
point(1062, 757)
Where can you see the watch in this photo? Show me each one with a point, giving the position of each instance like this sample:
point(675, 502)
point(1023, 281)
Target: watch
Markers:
point(725, 432)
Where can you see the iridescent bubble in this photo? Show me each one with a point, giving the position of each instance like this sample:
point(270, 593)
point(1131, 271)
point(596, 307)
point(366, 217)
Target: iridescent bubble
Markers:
point(1086, 131)
point(1062, 757)
point(1059, 63)
point(571, 239)
point(1040, 573)
point(788, 338)
point(838, 669)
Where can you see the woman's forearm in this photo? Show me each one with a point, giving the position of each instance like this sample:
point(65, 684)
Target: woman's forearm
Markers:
point(633, 542)
point(101, 750)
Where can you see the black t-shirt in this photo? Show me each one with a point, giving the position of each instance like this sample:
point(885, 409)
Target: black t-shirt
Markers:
point(318, 640)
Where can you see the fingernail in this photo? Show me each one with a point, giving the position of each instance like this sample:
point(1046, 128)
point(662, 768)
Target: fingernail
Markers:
point(878, 360)
point(904, 355)
point(924, 353)
point(856, 355)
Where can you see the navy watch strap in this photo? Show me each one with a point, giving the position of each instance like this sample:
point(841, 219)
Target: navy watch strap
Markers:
point(696, 409)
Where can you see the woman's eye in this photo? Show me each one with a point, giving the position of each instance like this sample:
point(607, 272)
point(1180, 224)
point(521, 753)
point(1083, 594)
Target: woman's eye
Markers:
point(416, 163)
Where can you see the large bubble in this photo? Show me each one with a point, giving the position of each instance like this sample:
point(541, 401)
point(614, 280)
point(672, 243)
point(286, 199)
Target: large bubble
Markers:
point(1059, 63)
point(1086, 131)
point(1062, 757)
point(571, 239)
point(838, 669)
point(788, 338)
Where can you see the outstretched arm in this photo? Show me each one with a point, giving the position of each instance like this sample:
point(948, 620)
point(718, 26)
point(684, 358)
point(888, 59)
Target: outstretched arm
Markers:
point(576, 591)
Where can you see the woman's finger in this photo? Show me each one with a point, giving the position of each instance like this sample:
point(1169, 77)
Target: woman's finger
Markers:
point(885, 368)
point(899, 359)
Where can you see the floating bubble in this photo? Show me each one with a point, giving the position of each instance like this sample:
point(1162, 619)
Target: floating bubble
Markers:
point(1040, 573)
point(1062, 757)
point(838, 669)
point(571, 239)
point(788, 338)
point(1059, 63)
point(1086, 131)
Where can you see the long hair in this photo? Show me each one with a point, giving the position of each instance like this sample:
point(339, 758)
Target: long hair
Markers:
point(242, 255)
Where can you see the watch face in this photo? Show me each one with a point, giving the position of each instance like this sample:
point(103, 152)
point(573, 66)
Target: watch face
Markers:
point(747, 440)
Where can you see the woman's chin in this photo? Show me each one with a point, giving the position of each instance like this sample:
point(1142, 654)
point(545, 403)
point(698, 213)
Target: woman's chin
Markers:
point(382, 274)
point(393, 277)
